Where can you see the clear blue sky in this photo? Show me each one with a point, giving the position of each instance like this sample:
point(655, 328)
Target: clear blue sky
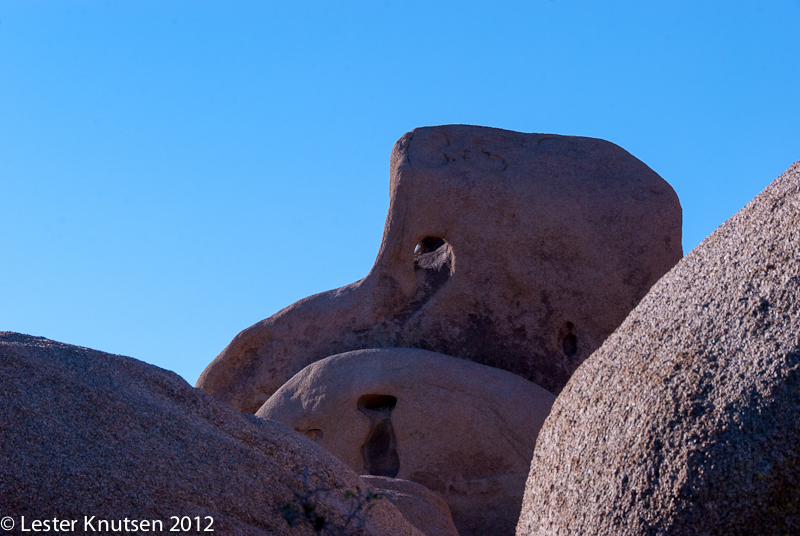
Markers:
point(173, 171)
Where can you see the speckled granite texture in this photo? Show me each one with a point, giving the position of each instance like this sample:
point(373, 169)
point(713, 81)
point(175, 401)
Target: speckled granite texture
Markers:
point(687, 420)
point(84, 433)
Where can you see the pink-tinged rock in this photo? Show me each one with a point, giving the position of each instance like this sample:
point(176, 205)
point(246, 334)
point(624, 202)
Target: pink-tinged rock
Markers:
point(464, 430)
point(518, 251)
point(686, 421)
point(84, 433)
point(419, 505)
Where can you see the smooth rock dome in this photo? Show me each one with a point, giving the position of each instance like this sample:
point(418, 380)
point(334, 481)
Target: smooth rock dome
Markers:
point(464, 430)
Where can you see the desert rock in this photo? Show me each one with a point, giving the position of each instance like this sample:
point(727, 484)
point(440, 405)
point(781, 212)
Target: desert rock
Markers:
point(419, 505)
point(86, 433)
point(518, 251)
point(685, 421)
point(463, 430)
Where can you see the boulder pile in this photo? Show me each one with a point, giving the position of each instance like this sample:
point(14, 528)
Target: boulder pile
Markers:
point(507, 259)
point(482, 378)
point(518, 251)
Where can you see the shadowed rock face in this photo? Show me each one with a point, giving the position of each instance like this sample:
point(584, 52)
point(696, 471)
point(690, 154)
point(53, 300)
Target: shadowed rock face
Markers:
point(85, 433)
point(464, 430)
point(419, 505)
point(518, 251)
point(687, 420)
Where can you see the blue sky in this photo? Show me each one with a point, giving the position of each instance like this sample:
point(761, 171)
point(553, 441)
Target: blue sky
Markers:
point(173, 171)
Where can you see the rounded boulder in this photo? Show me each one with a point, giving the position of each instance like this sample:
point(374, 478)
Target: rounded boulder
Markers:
point(464, 430)
point(685, 421)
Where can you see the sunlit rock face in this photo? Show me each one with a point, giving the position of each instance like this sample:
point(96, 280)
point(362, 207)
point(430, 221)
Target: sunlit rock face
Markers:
point(102, 438)
point(464, 430)
point(518, 251)
point(685, 421)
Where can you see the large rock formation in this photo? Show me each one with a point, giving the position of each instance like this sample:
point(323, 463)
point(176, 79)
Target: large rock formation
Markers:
point(518, 251)
point(686, 421)
point(91, 434)
point(463, 430)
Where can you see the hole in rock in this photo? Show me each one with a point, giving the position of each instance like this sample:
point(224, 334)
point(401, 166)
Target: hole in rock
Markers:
point(377, 403)
point(380, 451)
point(569, 342)
point(429, 244)
point(433, 263)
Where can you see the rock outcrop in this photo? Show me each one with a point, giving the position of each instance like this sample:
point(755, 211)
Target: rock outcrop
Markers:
point(419, 505)
point(518, 251)
point(686, 421)
point(86, 433)
point(463, 430)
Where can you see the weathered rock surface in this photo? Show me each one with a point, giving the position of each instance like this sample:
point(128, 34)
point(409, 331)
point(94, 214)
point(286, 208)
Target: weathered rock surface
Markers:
point(86, 433)
point(463, 430)
point(687, 420)
point(419, 505)
point(518, 251)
